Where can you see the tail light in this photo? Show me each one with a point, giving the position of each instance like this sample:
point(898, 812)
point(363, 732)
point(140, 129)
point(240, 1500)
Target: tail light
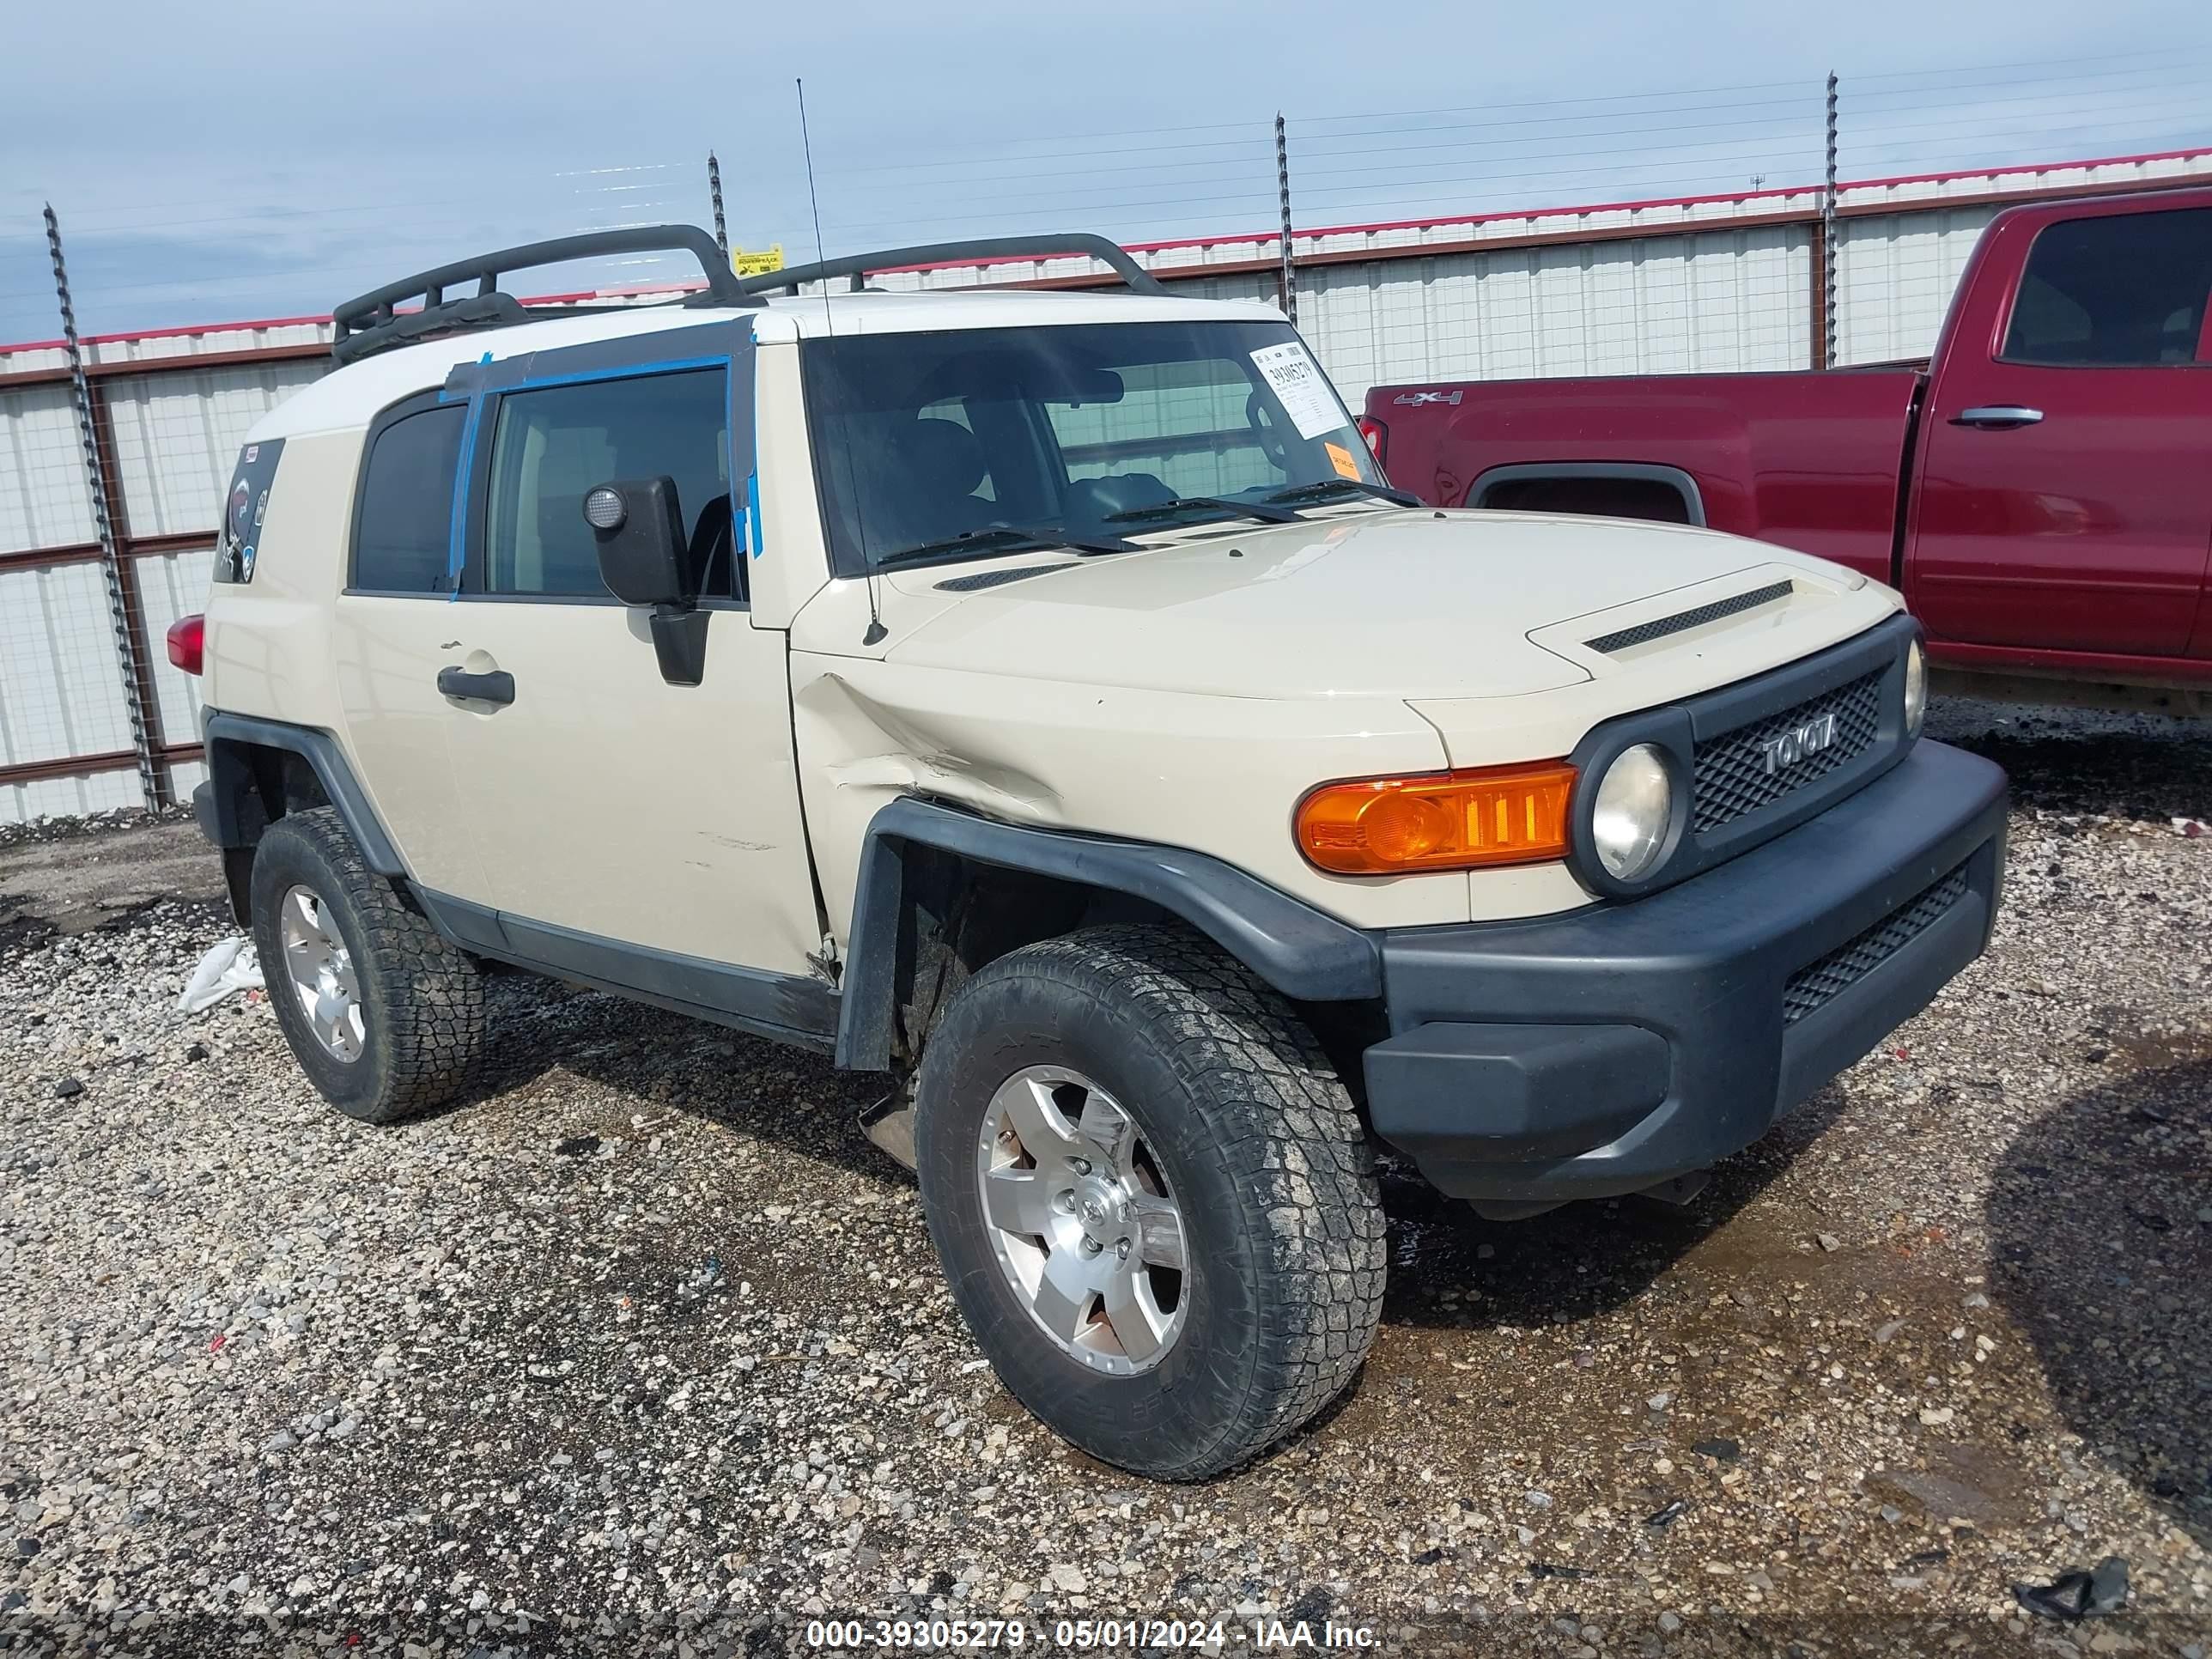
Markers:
point(1377, 436)
point(188, 642)
point(1438, 820)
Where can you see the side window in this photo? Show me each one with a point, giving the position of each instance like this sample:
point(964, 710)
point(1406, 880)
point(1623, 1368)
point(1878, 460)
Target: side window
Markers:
point(553, 444)
point(2120, 290)
point(403, 536)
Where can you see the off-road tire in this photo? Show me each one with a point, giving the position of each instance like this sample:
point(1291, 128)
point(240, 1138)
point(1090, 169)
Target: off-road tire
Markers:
point(1256, 1137)
point(422, 1005)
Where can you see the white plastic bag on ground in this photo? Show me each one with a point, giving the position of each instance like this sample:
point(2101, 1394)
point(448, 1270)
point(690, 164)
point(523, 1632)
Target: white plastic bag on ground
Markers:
point(230, 966)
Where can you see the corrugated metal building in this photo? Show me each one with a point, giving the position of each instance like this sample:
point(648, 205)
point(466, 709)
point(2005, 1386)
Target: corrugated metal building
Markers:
point(1688, 285)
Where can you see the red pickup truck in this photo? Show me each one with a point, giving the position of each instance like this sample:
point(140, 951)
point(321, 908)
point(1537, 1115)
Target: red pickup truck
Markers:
point(2040, 490)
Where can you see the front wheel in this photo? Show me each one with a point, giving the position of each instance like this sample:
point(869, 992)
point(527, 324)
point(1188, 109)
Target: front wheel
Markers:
point(1152, 1196)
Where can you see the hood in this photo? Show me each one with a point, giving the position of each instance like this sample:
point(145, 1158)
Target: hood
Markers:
point(1410, 604)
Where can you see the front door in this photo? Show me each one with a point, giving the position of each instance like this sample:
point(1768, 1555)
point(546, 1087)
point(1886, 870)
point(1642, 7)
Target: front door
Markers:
point(608, 806)
point(2064, 494)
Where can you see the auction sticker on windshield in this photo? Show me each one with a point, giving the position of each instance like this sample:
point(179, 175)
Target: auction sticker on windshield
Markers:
point(1304, 389)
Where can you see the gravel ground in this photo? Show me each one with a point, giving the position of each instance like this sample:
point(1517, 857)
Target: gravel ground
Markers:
point(645, 1350)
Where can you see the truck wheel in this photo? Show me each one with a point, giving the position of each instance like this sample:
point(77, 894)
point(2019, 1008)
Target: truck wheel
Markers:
point(385, 1016)
point(1152, 1196)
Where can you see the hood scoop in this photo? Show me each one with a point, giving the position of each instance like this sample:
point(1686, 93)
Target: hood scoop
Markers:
point(998, 578)
point(1660, 627)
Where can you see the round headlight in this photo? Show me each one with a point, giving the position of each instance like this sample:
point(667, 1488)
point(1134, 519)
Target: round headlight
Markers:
point(1915, 688)
point(1635, 801)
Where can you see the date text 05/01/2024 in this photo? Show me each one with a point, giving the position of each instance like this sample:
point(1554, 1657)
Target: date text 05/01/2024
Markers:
point(1087, 1634)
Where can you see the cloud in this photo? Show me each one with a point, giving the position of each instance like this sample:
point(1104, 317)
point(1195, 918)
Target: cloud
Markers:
point(265, 160)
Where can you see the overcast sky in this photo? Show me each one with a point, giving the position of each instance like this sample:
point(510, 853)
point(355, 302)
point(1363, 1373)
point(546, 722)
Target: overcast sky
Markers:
point(258, 160)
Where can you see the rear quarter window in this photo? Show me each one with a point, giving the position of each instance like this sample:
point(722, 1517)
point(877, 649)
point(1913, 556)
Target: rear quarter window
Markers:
point(402, 528)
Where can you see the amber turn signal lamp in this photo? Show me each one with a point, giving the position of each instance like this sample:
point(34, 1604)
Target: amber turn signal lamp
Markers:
point(1438, 820)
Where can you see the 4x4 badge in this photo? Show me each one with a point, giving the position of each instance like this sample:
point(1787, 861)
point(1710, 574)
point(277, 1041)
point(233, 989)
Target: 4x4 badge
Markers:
point(1788, 747)
point(1415, 399)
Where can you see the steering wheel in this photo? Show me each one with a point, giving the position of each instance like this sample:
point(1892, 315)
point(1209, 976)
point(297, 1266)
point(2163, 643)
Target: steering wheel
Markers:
point(1273, 444)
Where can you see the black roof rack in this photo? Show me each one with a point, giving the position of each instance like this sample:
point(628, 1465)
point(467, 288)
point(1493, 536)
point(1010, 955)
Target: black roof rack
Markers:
point(370, 323)
point(981, 250)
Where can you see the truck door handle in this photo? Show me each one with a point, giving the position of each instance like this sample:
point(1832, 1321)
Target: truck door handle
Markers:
point(1997, 417)
point(485, 688)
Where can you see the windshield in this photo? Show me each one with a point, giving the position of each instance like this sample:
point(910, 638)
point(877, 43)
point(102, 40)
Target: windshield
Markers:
point(1064, 431)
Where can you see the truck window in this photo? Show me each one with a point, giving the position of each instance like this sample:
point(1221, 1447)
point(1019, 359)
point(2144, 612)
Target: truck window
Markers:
point(553, 444)
point(2117, 290)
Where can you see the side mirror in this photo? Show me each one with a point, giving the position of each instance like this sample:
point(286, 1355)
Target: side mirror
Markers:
point(639, 527)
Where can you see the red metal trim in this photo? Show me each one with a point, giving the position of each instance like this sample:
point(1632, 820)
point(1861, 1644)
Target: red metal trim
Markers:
point(133, 547)
point(183, 362)
point(1272, 237)
point(1647, 232)
point(78, 766)
point(2027, 166)
point(68, 766)
point(37, 558)
point(1360, 256)
point(2183, 181)
point(174, 540)
point(1782, 194)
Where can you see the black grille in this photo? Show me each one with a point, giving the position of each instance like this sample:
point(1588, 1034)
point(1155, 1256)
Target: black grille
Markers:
point(994, 578)
point(1733, 776)
point(1812, 986)
point(1660, 628)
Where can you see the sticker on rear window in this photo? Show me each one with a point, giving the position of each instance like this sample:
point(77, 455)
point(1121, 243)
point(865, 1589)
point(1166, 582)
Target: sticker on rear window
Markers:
point(1303, 389)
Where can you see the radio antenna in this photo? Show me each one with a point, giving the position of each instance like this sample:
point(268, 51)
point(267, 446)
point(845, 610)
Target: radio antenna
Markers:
point(875, 632)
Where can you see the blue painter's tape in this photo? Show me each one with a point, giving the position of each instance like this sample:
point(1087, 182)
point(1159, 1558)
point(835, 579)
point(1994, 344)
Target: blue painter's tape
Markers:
point(622, 372)
point(457, 540)
point(753, 516)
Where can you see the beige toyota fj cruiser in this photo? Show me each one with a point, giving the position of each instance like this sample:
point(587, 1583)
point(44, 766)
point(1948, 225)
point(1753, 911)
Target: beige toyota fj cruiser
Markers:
point(1040, 698)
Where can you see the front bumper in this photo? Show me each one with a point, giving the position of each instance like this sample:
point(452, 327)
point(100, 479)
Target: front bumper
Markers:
point(1611, 1048)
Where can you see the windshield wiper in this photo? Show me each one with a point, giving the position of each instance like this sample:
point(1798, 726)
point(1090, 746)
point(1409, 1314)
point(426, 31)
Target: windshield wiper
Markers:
point(1328, 487)
point(1006, 537)
point(1260, 510)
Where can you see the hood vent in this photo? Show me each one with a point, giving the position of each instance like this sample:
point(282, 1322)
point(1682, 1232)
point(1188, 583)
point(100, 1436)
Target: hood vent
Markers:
point(1000, 577)
point(1659, 627)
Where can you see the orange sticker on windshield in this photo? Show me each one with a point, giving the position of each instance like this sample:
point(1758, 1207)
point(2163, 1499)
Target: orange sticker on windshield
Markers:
point(1340, 458)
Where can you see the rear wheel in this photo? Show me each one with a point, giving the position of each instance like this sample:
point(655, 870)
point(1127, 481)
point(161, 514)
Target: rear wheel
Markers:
point(1151, 1195)
point(385, 1016)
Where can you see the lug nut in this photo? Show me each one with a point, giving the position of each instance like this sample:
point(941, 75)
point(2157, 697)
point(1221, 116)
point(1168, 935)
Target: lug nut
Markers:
point(1122, 1250)
point(1091, 1246)
point(1080, 1165)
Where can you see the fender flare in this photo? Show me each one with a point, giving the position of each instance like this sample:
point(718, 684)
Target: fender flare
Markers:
point(228, 740)
point(1306, 955)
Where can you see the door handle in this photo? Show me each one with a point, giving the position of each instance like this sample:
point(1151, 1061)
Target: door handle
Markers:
point(1997, 417)
point(485, 688)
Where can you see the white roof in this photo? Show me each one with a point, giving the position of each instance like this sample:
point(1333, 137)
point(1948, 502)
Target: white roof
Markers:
point(351, 395)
